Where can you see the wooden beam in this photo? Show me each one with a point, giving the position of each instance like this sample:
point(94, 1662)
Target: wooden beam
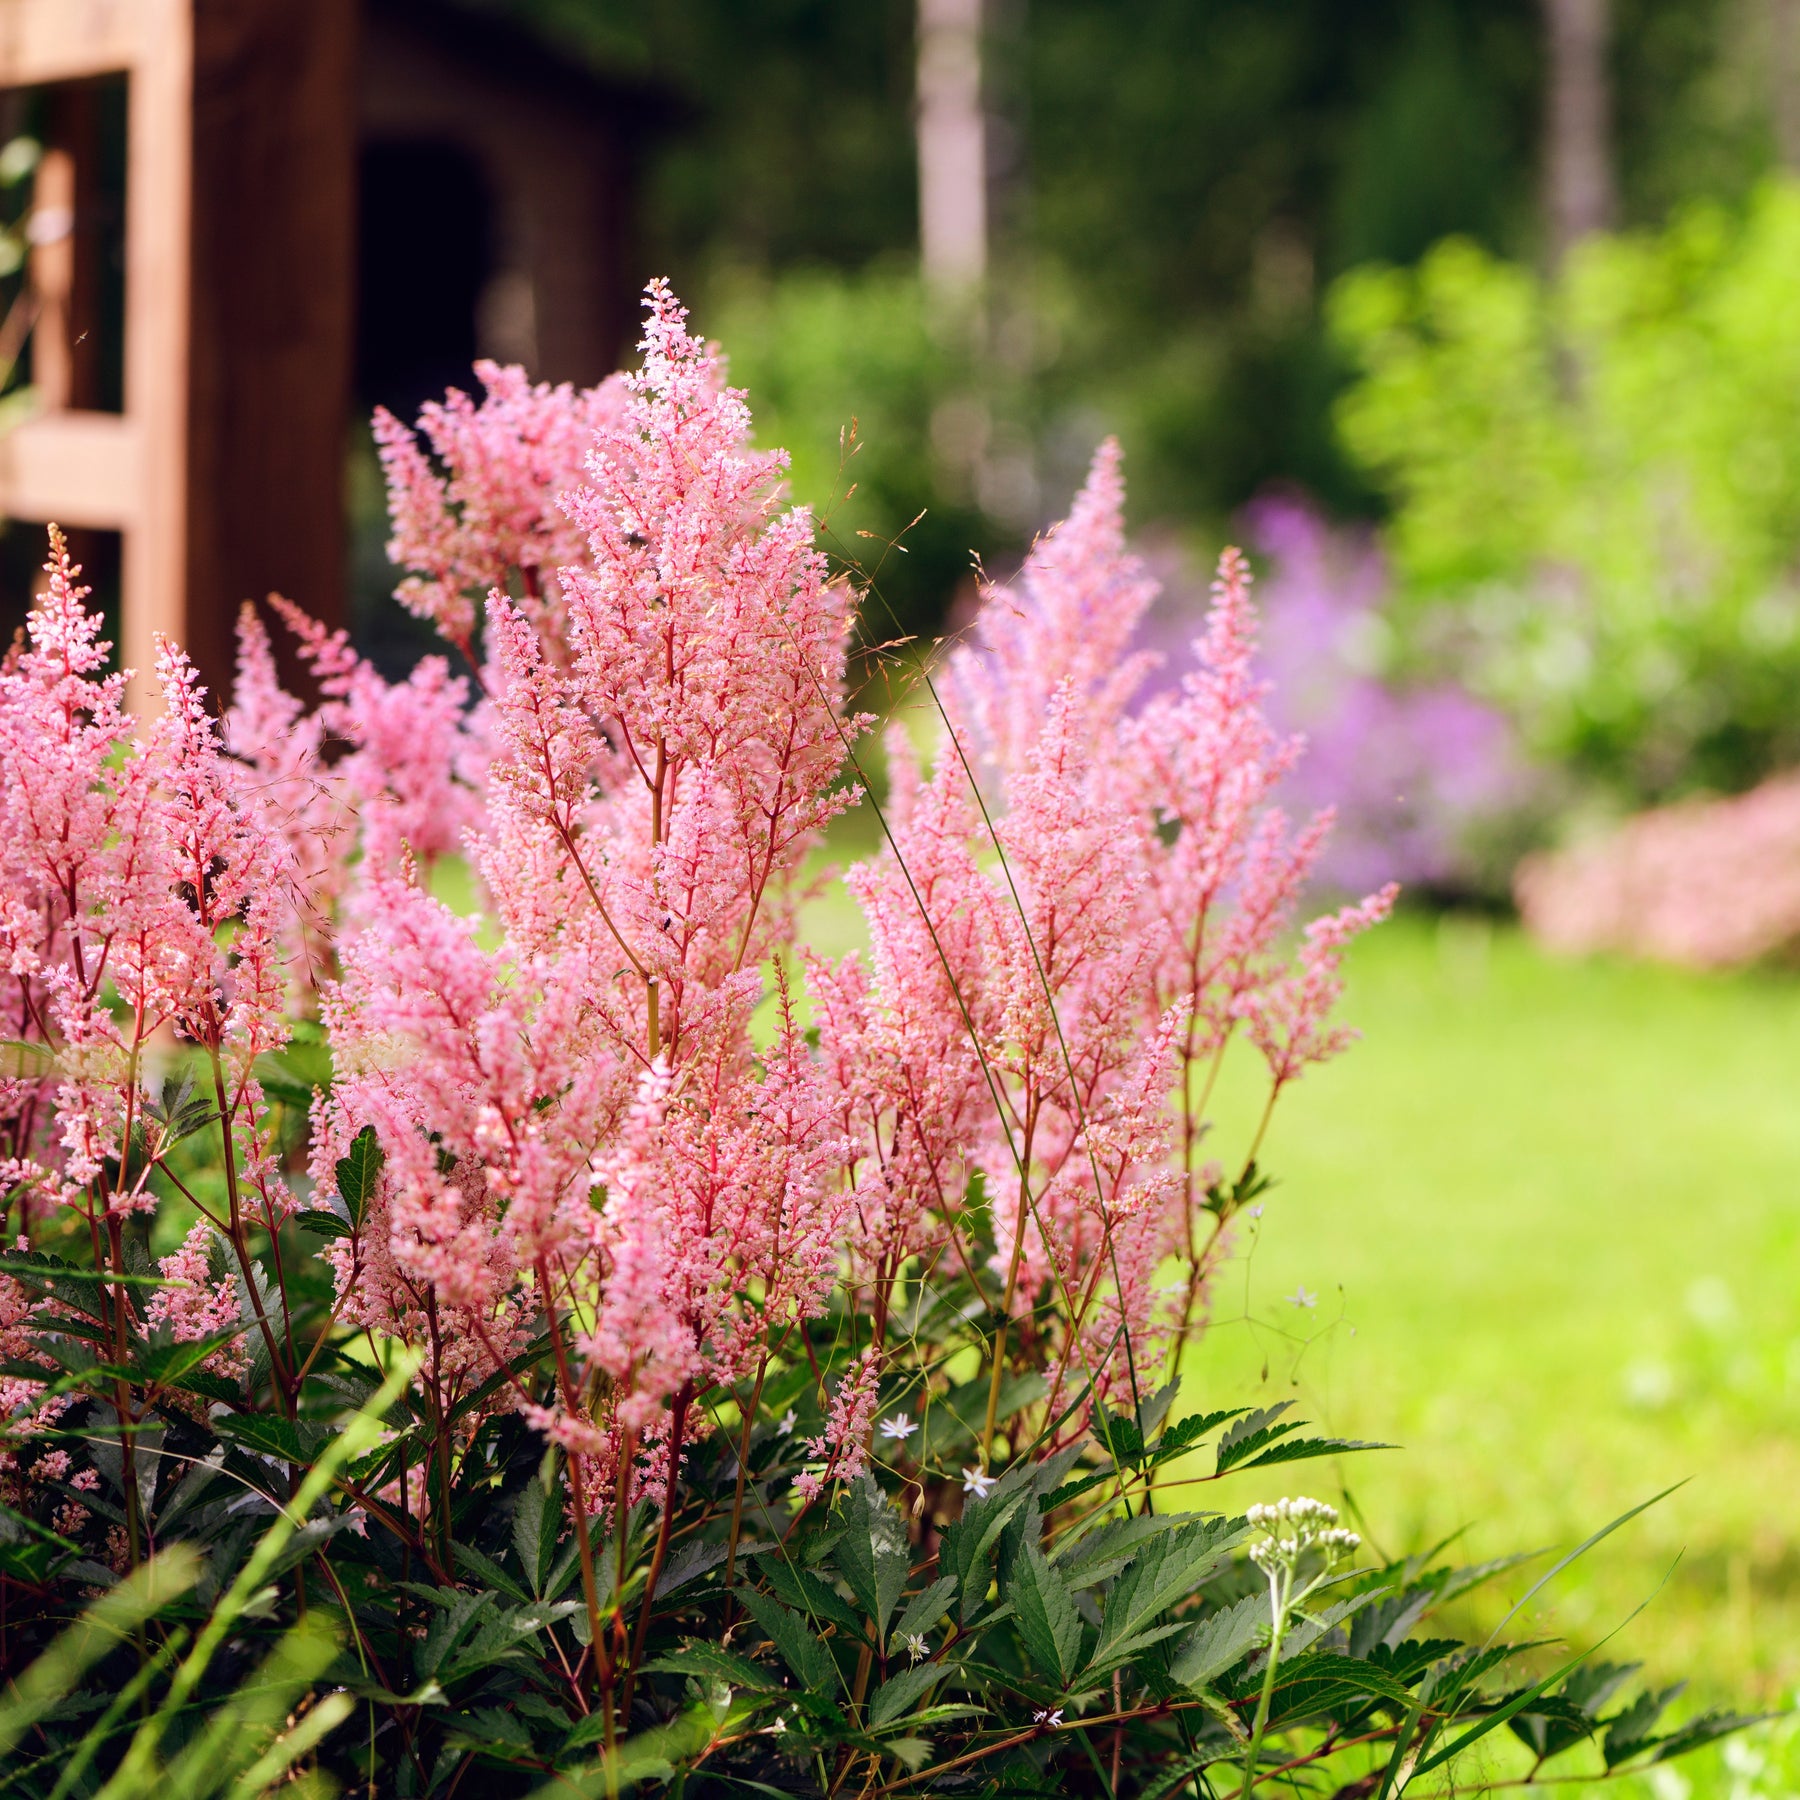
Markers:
point(77, 468)
point(128, 474)
point(63, 40)
point(273, 292)
point(158, 203)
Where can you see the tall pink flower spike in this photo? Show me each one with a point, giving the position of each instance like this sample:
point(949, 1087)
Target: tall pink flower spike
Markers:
point(1087, 959)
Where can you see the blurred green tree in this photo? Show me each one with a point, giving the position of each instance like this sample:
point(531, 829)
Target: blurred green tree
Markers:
point(1175, 184)
point(1596, 484)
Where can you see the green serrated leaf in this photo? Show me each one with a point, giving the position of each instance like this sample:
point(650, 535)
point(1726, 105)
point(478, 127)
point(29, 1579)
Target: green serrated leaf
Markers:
point(1323, 1681)
point(714, 1662)
point(484, 1568)
point(966, 1546)
point(809, 1594)
point(1253, 1433)
point(34, 1268)
point(872, 1554)
point(1300, 1449)
point(268, 1434)
point(700, 1558)
point(534, 1530)
point(1706, 1729)
point(924, 1610)
point(1221, 1641)
point(1045, 1617)
point(359, 1172)
point(170, 1365)
point(1165, 1571)
point(22, 1061)
point(813, 1665)
point(1187, 1432)
point(900, 1693)
point(1180, 1772)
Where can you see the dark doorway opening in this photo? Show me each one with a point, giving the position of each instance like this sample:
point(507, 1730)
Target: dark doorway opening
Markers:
point(424, 254)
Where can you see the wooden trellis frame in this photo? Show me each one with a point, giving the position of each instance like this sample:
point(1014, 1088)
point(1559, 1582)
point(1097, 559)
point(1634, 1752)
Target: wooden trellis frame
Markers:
point(123, 472)
point(224, 472)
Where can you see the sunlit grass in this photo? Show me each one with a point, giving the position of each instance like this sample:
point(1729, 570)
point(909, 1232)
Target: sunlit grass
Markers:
point(1548, 1215)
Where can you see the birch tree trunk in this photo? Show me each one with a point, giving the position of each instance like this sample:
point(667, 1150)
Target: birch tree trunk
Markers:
point(1578, 173)
point(1784, 75)
point(952, 146)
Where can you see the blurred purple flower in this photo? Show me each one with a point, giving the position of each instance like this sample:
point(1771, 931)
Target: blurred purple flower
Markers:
point(1414, 770)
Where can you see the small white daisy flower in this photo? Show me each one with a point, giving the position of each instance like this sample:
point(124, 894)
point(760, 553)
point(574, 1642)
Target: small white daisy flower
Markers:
point(785, 1427)
point(899, 1428)
point(977, 1482)
point(916, 1646)
point(1045, 1716)
point(1300, 1297)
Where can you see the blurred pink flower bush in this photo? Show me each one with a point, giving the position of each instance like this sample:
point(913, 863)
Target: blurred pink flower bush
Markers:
point(1706, 883)
point(1415, 772)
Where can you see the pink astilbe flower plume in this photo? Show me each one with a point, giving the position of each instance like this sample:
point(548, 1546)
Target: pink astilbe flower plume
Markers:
point(143, 922)
point(574, 1118)
point(1046, 995)
point(491, 510)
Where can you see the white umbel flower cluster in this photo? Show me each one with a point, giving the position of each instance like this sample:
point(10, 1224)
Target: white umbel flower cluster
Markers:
point(1295, 1526)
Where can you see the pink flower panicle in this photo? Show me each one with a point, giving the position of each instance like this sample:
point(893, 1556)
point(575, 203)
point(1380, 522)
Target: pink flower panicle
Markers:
point(1090, 956)
point(597, 1131)
point(205, 1302)
point(843, 1446)
point(493, 514)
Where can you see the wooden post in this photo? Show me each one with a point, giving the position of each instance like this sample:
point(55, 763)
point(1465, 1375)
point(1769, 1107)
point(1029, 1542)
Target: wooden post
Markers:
point(52, 236)
point(273, 297)
point(158, 217)
point(122, 472)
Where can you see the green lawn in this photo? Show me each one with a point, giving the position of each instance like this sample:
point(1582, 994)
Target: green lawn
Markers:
point(1549, 1217)
point(1550, 1213)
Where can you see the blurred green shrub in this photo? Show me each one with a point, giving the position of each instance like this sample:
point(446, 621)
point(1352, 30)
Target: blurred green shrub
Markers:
point(886, 414)
point(1596, 485)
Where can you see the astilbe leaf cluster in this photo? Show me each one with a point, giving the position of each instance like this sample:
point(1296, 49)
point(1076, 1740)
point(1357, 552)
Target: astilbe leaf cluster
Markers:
point(623, 1346)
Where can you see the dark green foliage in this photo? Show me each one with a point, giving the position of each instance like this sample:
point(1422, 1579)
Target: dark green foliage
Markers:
point(381, 1584)
point(870, 1642)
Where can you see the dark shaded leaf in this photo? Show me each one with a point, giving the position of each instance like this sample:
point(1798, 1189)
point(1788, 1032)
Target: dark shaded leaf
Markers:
point(534, 1523)
point(321, 1222)
point(267, 1434)
point(813, 1665)
point(712, 1662)
point(1045, 1617)
point(1253, 1433)
point(809, 1594)
point(471, 1562)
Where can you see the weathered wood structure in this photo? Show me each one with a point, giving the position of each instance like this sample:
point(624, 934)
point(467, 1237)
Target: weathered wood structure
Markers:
point(255, 129)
